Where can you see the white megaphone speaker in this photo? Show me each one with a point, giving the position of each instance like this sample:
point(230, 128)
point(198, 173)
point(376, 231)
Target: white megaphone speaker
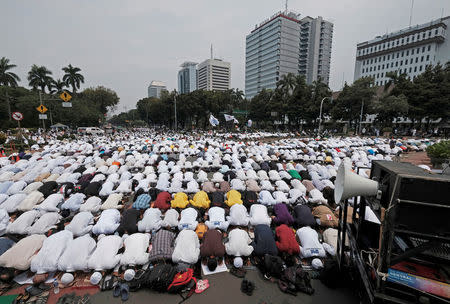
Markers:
point(349, 184)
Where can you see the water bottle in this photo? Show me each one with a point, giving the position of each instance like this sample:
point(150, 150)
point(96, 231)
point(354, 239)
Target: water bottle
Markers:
point(55, 286)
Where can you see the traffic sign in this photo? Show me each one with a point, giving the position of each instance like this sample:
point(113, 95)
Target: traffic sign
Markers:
point(65, 96)
point(67, 104)
point(42, 116)
point(17, 116)
point(42, 109)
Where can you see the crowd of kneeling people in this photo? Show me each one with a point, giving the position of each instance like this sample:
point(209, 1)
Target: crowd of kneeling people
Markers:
point(130, 205)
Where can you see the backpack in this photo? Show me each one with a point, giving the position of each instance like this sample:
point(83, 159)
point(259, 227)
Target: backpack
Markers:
point(159, 277)
point(183, 281)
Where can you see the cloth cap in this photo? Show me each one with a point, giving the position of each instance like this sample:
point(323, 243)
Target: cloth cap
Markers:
point(317, 264)
point(129, 274)
point(96, 278)
point(67, 278)
point(237, 262)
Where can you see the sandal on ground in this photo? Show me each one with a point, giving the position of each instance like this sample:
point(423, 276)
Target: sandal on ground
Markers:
point(124, 291)
point(117, 290)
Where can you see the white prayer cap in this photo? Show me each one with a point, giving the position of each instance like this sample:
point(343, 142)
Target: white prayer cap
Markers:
point(129, 274)
point(237, 262)
point(67, 278)
point(96, 277)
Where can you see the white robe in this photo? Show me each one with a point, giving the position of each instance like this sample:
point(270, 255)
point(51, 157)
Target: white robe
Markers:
point(105, 256)
point(136, 247)
point(187, 247)
point(53, 247)
point(77, 253)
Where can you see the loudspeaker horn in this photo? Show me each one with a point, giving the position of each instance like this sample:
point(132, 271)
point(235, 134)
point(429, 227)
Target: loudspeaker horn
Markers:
point(349, 184)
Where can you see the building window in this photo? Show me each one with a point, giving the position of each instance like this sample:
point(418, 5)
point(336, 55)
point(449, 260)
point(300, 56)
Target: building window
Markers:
point(420, 69)
point(407, 53)
point(417, 59)
point(415, 69)
point(371, 69)
point(423, 36)
point(397, 42)
point(412, 52)
point(429, 47)
point(407, 39)
point(384, 58)
point(398, 54)
point(401, 62)
point(402, 40)
point(382, 66)
point(423, 49)
point(389, 57)
point(421, 59)
point(396, 63)
point(371, 61)
point(406, 61)
point(379, 67)
point(428, 57)
point(382, 74)
point(429, 34)
point(392, 64)
point(410, 69)
point(378, 75)
point(436, 32)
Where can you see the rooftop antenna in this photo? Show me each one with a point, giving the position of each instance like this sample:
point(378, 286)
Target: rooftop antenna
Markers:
point(286, 6)
point(411, 13)
point(211, 51)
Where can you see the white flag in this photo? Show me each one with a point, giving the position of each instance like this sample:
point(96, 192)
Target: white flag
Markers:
point(228, 117)
point(213, 121)
point(249, 123)
point(235, 121)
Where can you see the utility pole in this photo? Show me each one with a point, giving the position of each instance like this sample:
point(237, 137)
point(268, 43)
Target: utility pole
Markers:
point(9, 105)
point(43, 120)
point(175, 104)
point(360, 117)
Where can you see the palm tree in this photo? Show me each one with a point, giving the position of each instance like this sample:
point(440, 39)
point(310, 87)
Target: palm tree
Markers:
point(39, 76)
point(57, 86)
point(72, 77)
point(287, 84)
point(7, 78)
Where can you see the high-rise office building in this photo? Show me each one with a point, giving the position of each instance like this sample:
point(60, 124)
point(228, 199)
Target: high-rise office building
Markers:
point(407, 51)
point(284, 44)
point(316, 36)
point(155, 88)
point(214, 74)
point(187, 77)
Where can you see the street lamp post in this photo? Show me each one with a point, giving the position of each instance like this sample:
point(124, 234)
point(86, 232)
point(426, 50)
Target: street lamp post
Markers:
point(320, 112)
point(175, 104)
point(361, 117)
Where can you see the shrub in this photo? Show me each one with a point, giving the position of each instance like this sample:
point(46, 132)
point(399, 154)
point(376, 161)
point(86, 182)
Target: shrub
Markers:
point(439, 150)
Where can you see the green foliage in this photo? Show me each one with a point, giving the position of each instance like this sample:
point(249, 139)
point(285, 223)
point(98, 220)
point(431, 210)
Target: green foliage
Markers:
point(390, 107)
point(103, 98)
point(72, 77)
point(293, 99)
point(39, 77)
point(87, 109)
point(192, 109)
point(3, 138)
point(7, 78)
point(439, 150)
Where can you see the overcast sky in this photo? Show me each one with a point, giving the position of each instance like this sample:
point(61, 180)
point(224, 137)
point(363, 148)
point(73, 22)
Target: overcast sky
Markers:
point(124, 45)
